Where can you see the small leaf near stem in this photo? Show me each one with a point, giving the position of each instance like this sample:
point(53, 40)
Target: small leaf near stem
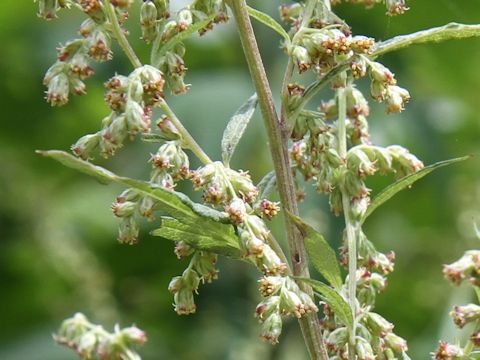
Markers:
point(236, 127)
point(270, 22)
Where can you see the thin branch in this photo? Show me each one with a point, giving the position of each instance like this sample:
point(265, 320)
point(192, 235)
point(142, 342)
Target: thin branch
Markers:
point(119, 34)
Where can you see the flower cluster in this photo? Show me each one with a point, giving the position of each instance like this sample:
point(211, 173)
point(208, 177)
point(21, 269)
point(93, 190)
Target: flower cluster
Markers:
point(91, 341)
point(201, 269)
point(465, 269)
point(282, 296)
point(131, 100)
point(160, 25)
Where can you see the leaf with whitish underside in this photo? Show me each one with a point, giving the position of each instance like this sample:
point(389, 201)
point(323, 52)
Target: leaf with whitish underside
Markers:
point(210, 221)
point(236, 127)
point(224, 243)
point(267, 185)
point(333, 298)
point(405, 182)
point(320, 253)
point(162, 50)
point(269, 21)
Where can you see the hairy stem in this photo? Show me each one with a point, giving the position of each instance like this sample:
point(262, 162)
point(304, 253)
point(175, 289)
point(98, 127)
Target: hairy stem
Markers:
point(187, 139)
point(119, 34)
point(350, 226)
point(278, 142)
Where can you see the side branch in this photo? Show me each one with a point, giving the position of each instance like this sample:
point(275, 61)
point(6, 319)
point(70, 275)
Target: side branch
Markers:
point(437, 34)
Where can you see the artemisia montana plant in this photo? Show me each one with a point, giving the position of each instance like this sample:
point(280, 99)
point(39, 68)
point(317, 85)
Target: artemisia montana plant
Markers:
point(326, 143)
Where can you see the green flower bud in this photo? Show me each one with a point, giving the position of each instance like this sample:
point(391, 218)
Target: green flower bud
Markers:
point(301, 57)
point(364, 350)
point(133, 336)
point(338, 338)
point(128, 231)
point(395, 7)
point(396, 343)
point(58, 90)
point(272, 328)
point(184, 19)
point(267, 307)
point(124, 209)
point(98, 44)
point(382, 74)
point(163, 8)
point(148, 21)
point(446, 351)
point(377, 324)
point(463, 315)
point(204, 265)
point(396, 98)
point(184, 303)
point(86, 145)
point(47, 9)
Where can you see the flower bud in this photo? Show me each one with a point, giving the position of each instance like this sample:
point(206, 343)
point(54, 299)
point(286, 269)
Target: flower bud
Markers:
point(288, 12)
point(267, 307)
point(270, 263)
point(124, 209)
point(86, 145)
point(182, 249)
point(184, 19)
point(382, 74)
point(128, 231)
point(87, 27)
point(446, 351)
point(148, 21)
point(58, 90)
point(468, 266)
point(184, 303)
point(463, 315)
point(395, 7)
point(128, 195)
point(356, 103)
point(47, 9)
point(122, 4)
point(136, 118)
point(272, 328)
point(358, 67)
point(337, 339)
point(364, 350)
point(301, 57)
point(93, 8)
point(169, 30)
point(80, 66)
point(270, 285)
point(98, 43)
point(396, 343)
point(268, 208)
point(396, 98)
point(362, 44)
point(87, 344)
point(167, 128)
point(377, 324)
point(205, 266)
point(163, 8)
point(133, 336)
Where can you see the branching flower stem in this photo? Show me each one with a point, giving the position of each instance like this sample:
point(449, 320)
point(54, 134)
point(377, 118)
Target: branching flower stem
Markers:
point(120, 35)
point(349, 224)
point(279, 149)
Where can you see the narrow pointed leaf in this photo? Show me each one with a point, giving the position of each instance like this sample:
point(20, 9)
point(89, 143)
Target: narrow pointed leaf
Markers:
point(225, 243)
point(270, 22)
point(322, 256)
point(173, 203)
point(236, 127)
point(333, 298)
point(405, 182)
point(267, 185)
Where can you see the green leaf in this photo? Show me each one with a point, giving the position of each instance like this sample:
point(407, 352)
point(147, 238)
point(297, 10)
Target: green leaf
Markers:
point(333, 298)
point(269, 21)
point(236, 127)
point(210, 221)
point(405, 182)
point(200, 237)
point(266, 185)
point(322, 256)
point(160, 50)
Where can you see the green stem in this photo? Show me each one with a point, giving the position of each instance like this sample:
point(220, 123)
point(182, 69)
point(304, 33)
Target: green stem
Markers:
point(278, 142)
point(469, 346)
point(187, 139)
point(349, 223)
point(119, 34)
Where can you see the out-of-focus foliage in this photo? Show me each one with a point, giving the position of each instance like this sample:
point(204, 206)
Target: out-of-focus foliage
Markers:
point(58, 252)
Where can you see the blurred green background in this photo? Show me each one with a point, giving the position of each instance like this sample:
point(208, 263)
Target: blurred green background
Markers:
point(58, 252)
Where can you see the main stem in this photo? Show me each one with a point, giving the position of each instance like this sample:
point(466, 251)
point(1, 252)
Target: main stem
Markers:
point(278, 142)
point(349, 224)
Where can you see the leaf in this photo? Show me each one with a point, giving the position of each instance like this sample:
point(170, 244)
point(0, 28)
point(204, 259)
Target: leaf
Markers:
point(223, 243)
point(269, 21)
point(200, 217)
point(236, 127)
point(405, 182)
point(333, 298)
point(322, 256)
point(266, 185)
point(159, 50)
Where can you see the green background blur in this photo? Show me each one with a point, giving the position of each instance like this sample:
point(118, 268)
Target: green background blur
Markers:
point(58, 248)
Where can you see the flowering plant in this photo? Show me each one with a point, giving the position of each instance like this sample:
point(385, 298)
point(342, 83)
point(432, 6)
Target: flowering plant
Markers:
point(329, 146)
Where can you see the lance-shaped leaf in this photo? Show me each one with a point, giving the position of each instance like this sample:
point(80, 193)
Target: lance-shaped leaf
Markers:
point(333, 298)
point(236, 127)
point(206, 220)
point(266, 185)
point(322, 256)
point(270, 22)
point(405, 182)
point(201, 237)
